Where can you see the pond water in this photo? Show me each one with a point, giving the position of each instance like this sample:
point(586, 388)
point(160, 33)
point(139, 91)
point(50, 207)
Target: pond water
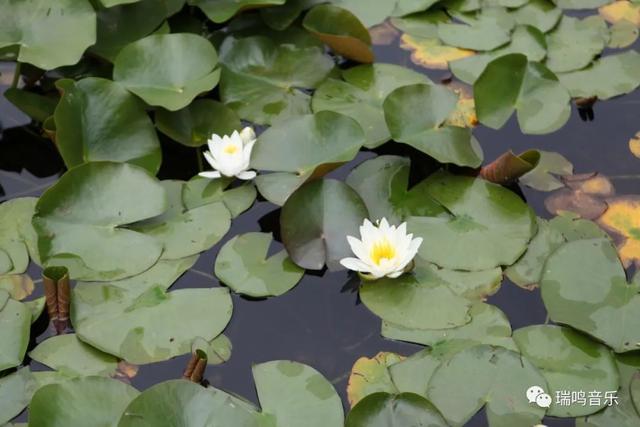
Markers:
point(321, 322)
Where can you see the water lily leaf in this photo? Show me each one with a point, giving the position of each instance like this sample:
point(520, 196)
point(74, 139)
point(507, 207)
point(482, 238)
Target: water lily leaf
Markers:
point(473, 285)
point(73, 219)
point(70, 356)
point(406, 7)
point(36, 307)
point(542, 104)
point(606, 78)
point(574, 43)
point(585, 195)
point(49, 35)
point(580, 4)
point(361, 96)
point(193, 125)
point(341, 31)
point(222, 10)
point(97, 119)
point(423, 25)
point(263, 80)
point(623, 34)
point(371, 375)
point(431, 53)
point(491, 375)
point(384, 409)
point(424, 129)
point(199, 191)
point(281, 17)
point(16, 390)
point(367, 12)
point(621, 10)
point(542, 176)
point(242, 264)
point(188, 405)
point(278, 186)
point(19, 286)
point(81, 401)
point(481, 36)
point(382, 183)
point(292, 394)
point(622, 219)
point(508, 167)
point(218, 350)
point(112, 3)
point(15, 319)
point(34, 105)
point(315, 221)
point(573, 293)
point(492, 220)
point(15, 218)
point(635, 391)
point(634, 145)
point(189, 63)
point(568, 361)
point(541, 14)
point(302, 144)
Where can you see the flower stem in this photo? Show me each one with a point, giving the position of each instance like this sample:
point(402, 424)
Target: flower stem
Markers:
point(199, 158)
point(16, 75)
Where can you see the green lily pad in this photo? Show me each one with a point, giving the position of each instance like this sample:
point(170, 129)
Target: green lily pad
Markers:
point(292, 394)
point(480, 36)
point(574, 294)
point(361, 96)
point(49, 35)
point(382, 183)
point(487, 375)
point(371, 375)
point(542, 176)
point(302, 144)
point(423, 24)
point(16, 390)
point(188, 405)
point(511, 83)
point(97, 119)
point(222, 10)
point(606, 78)
point(580, 4)
point(541, 14)
point(70, 356)
point(424, 129)
point(84, 229)
point(80, 402)
point(623, 34)
point(264, 81)
point(112, 3)
point(281, 17)
point(278, 186)
point(574, 43)
point(193, 125)
point(199, 191)
point(15, 319)
point(634, 388)
point(489, 225)
point(34, 105)
point(36, 307)
point(218, 350)
point(341, 30)
point(242, 264)
point(15, 224)
point(188, 63)
point(384, 409)
point(315, 221)
point(406, 7)
point(369, 13)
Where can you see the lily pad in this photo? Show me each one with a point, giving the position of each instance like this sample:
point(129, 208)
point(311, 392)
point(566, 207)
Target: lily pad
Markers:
point(303, 144)
point(218, 350)
point(19, 286)
point(315, 221)
point(36, 106)
point(486, 375)
point(367, 12)
point(263, 80)
point(49, 35)
point(606, 78)
point(424, 129)
point(73, 219)
point(622, 10)
point(188, 63)
point(70, 356)
point(542, 176)
point(574, 43)
point(199, 191)
point(568, 361)
point(621, 220)
point(371, 375)
point(97, 119)
point(292, 394)
point(188, 405)
point(574, 294)
point(16, 390)
point(341, 30)
point(361, 93)
point(79, 402)
point(429, 52)
point(580, 4)
point(492, 220)
point(15, 319)
point(222, 10)
point(276, 187)
point(511, 83)
point(623, 34)
point(193, 125)
point(480, 36)
point(15, 218)
point(242, 264)
point(541, 14)
point(384, 409)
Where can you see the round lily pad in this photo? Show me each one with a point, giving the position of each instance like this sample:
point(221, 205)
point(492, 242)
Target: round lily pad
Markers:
point(574, 43)
point(480, 36)
point(316, 220)
point(384, 409)
point(168, 70)
point(371, 375)
point(222, 10)
point(97, 119)
point(16, 390)
point(541, 14)
point(199, 191)
point(15, 319)
point(15, 223)
point(242, 264)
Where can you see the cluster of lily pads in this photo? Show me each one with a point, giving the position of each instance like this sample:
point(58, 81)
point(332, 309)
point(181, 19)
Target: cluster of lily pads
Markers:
point(102, 78)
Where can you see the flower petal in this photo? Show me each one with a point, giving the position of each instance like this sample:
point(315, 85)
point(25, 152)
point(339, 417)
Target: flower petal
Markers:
point(210, 174)
point(247, 175)
point(358, 248)
point(247, 134)
point(354, 264)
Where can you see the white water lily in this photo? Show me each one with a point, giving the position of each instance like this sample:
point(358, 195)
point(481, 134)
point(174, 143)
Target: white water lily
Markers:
point(230, 155)
point(382, 251)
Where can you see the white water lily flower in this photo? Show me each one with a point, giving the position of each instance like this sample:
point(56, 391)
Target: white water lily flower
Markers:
point(384, 250)
point(230, 155)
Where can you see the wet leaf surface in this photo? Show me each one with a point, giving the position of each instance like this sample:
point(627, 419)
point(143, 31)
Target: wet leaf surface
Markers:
point(16, 390)
point(222, 10)
point(371, 375)
point(574, 43)
point(15, 319)
point(384, 409)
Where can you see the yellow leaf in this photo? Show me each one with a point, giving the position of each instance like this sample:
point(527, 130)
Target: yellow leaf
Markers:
point(634, 145)
point(623, 219)
point(19, 286)
point(621, 10)
point(371, 376)
point(431, 53)
point(465, 113)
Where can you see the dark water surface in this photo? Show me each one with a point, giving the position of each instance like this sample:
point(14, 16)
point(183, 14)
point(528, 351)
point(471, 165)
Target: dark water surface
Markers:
point(321, 322)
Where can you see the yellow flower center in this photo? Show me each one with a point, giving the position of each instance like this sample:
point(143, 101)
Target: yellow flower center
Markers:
point(230, 149)
point(382, 249)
